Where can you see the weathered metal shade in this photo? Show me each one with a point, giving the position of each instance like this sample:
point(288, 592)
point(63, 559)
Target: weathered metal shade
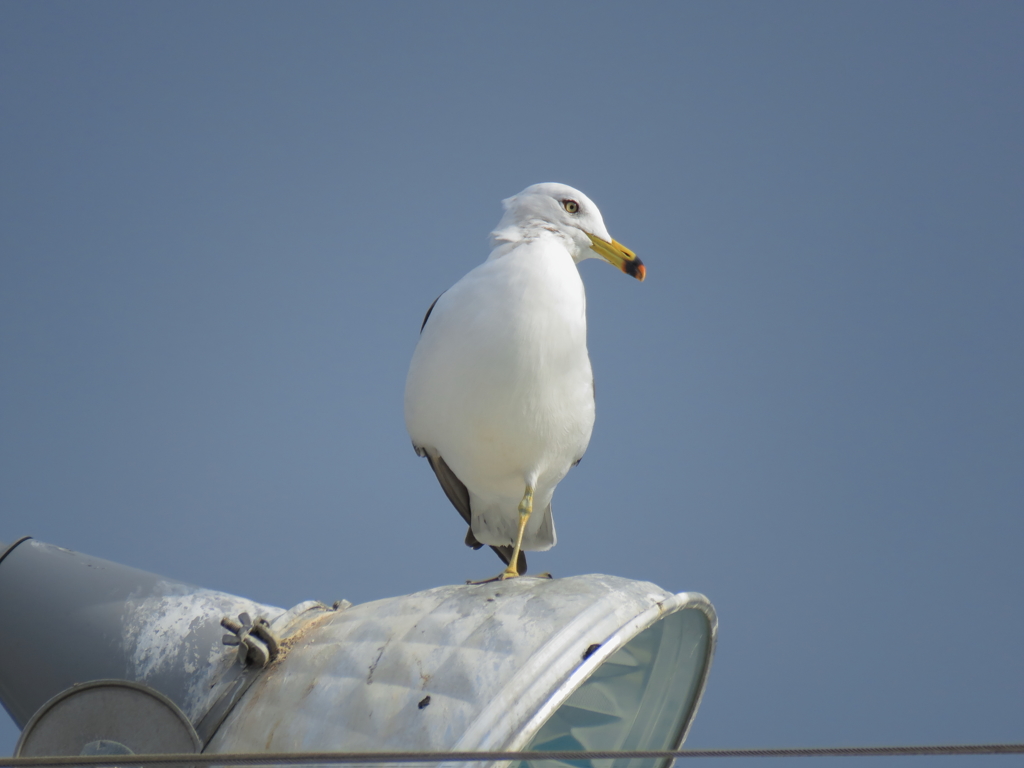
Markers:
point(586, 662)
point(70, 618)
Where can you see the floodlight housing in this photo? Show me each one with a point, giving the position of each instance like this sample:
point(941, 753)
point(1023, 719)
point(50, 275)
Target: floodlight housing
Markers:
point(586, 662)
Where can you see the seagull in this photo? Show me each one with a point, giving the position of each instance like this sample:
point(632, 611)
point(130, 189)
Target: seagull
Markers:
point(500, 392)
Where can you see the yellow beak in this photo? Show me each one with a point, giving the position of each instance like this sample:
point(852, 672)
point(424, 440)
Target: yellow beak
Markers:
point(618, 255)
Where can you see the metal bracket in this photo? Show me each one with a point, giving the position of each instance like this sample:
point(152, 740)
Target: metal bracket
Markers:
point(257, 643)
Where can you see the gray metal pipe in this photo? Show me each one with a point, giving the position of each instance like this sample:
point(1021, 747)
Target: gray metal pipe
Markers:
point(68, 618)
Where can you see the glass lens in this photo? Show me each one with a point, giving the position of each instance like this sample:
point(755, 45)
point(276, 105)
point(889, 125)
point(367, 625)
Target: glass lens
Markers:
point(640, 698)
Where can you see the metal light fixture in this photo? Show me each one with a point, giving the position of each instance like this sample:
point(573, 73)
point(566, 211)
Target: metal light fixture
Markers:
point(586, 662)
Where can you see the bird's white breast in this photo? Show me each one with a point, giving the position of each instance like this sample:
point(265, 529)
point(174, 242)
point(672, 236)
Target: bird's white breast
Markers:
point(500, 382)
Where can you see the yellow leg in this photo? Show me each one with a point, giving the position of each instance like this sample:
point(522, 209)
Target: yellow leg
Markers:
point(525, 510)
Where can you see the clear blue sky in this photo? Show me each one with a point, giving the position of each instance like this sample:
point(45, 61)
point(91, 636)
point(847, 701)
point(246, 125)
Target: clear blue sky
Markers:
point(221, 224)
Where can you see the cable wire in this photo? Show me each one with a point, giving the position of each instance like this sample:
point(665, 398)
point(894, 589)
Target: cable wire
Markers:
point(314, 758)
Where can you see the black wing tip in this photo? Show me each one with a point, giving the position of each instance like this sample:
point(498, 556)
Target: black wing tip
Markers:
point(505, 553)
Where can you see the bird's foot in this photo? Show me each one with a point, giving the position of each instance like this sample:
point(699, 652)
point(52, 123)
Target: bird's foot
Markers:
point(508, 573)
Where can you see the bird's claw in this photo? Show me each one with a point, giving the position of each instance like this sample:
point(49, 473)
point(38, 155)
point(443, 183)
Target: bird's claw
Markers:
point(508, 573)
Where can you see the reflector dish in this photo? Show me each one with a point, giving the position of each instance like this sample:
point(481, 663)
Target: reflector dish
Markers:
point(641, 697)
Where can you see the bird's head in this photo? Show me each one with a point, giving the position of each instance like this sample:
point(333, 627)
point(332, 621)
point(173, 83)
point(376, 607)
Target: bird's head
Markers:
point(567, 211)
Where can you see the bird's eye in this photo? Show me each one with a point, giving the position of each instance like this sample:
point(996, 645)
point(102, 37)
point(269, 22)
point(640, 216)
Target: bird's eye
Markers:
point(571, 206)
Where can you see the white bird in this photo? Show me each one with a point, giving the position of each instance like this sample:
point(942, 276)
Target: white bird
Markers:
point(500, 393)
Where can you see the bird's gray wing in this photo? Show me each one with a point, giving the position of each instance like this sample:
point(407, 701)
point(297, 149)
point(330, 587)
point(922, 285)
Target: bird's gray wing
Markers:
point(427, 316)
point(454, 489)
point(458, 495)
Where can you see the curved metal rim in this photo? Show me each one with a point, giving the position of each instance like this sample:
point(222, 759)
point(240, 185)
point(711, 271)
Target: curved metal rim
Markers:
point(617, 640)
point(67, 692)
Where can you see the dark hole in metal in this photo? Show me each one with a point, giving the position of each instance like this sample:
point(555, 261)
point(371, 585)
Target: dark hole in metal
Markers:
point(426, 700)
point(590, 650)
